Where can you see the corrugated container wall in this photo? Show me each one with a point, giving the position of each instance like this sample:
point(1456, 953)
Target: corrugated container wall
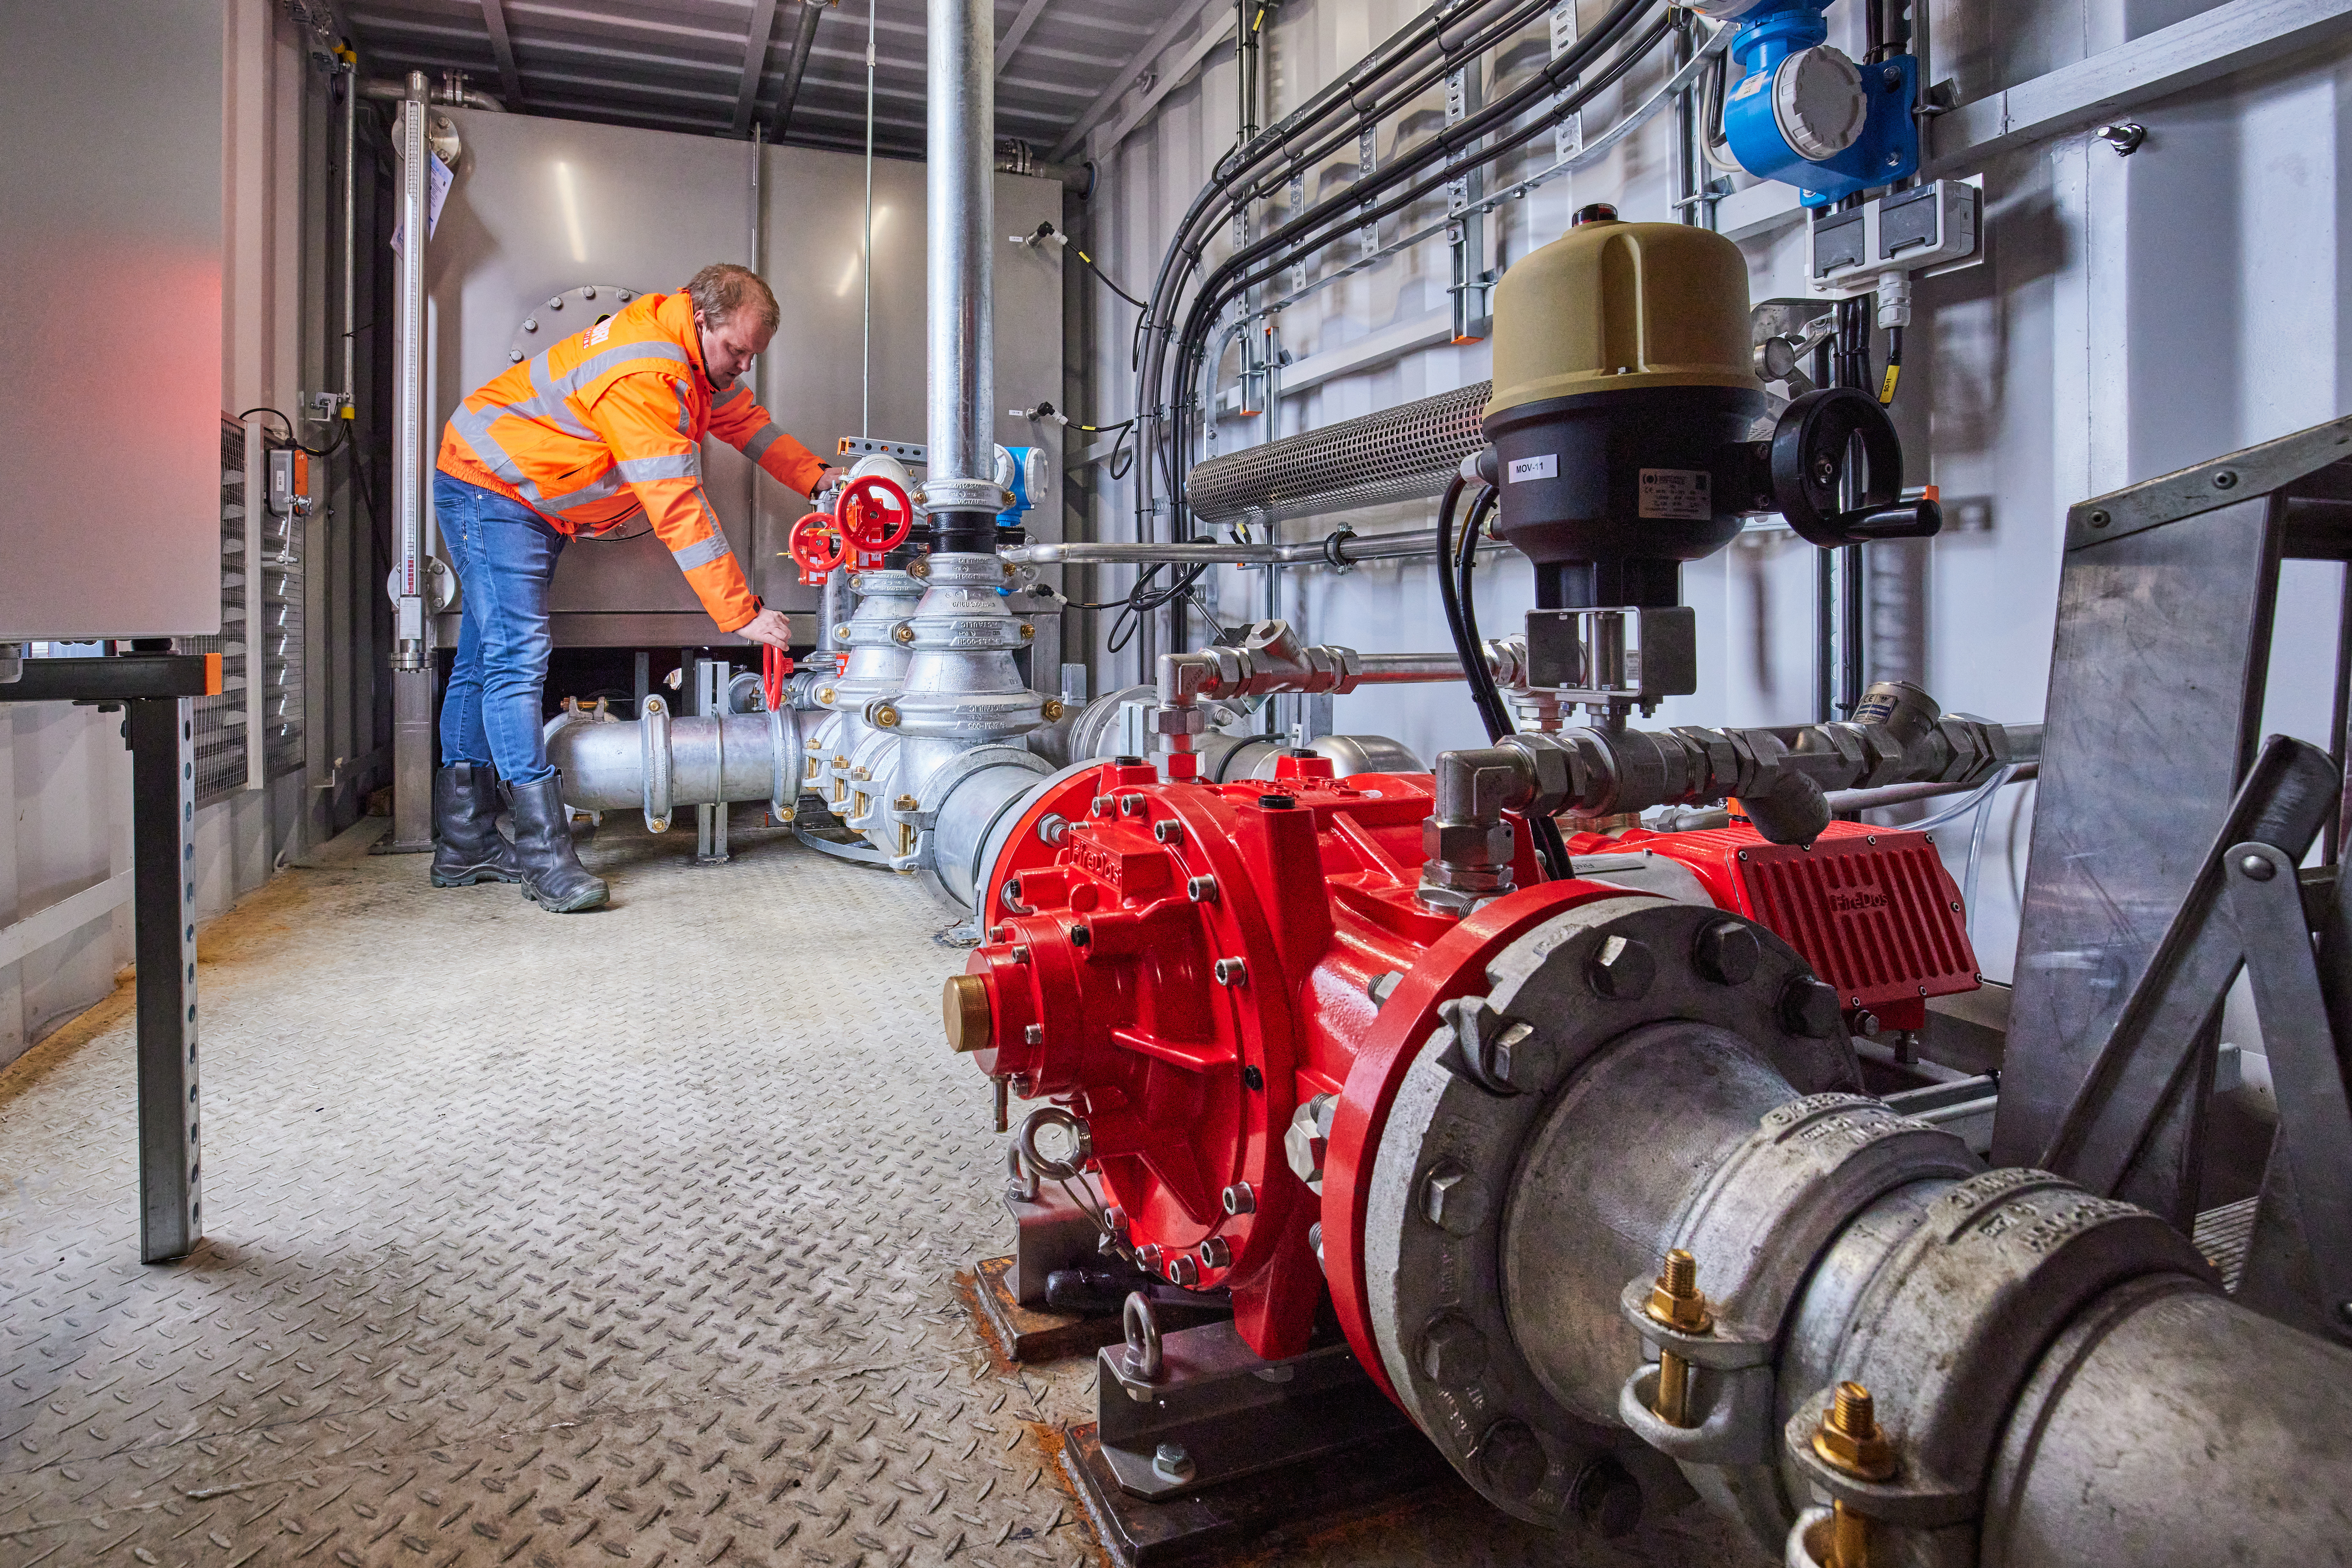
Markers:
point(2128, 315)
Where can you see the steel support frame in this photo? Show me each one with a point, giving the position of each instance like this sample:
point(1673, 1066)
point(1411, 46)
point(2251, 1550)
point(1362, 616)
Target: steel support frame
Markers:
point(2162, 651)
point(160, 729)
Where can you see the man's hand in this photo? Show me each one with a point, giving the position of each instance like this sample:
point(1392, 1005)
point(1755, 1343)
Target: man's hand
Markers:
point(771, 628)
point(828, 477)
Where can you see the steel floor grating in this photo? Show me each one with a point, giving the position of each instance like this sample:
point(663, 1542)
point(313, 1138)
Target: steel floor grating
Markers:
point(628, 1238)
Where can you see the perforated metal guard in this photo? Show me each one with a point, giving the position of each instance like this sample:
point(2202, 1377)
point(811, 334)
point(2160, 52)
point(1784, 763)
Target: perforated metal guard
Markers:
point(1399, 453)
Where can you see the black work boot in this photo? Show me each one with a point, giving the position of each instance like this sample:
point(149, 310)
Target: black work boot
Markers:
point(469, 846)
point(552, 877)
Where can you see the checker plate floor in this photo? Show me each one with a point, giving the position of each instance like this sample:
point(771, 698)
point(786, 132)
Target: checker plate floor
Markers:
point(628, 1238)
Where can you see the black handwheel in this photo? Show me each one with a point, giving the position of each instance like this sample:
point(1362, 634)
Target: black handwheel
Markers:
point(1810, 448)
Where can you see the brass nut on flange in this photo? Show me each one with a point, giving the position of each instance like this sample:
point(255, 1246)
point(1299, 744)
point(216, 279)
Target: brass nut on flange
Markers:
point(1052, 710)
point(1848, 1438)
point(1675, 1300)
point(904, 634)
point(1675, 1303)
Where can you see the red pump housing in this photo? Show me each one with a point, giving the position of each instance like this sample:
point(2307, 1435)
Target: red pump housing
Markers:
point(1183, 964)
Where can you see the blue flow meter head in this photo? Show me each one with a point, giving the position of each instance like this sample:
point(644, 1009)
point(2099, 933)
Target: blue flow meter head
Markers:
point(1803, 113)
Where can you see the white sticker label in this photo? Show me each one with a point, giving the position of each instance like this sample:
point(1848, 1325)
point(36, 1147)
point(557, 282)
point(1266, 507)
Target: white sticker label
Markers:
point(1544, 468)
point(1676, 492)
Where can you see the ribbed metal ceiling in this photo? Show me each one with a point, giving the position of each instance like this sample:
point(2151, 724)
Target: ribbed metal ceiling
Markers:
point(682, 65)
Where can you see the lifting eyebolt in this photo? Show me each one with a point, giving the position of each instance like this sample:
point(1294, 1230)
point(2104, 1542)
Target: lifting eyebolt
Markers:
point(1675, 1302)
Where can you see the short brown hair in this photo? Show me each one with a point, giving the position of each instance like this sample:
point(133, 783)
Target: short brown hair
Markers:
point(721, 288)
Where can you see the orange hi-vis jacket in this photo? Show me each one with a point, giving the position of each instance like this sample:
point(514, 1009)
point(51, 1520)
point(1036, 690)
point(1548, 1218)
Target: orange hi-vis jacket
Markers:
point(610, 420)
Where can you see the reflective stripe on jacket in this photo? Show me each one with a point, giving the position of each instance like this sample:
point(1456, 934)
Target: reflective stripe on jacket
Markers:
point(610, 420)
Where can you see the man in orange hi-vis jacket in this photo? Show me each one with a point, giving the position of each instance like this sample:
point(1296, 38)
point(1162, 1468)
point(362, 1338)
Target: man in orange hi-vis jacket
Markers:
point(602, 427)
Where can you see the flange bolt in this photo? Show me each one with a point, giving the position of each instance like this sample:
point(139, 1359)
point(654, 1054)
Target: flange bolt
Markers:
point(1811, 1008)
point(1607, 1498)
point(1676, 1303)
point(1241, 1198)
point(1726, 953)
point(1623, 969)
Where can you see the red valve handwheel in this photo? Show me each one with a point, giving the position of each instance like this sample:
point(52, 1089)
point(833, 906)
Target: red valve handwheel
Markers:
point(865, 496)
point(807, 546)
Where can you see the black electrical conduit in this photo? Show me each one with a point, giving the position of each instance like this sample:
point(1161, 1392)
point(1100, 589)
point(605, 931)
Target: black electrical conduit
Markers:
point(1300, 236)
point(1454, 588)
point(1170, 445)
point(1220, 197)
point(1231, 279)
point(1349, 103)
point(1338, 112)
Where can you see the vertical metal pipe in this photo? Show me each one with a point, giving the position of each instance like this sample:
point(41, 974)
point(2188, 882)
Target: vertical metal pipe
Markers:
point(412, 657)
point(409, 419)
point(350, 230)
point(963, 494)
point(751, 470)
point(865, 348)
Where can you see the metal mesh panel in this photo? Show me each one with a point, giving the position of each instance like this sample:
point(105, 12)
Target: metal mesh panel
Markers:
point(281, 640)
point(1407, 453)
point(220, 721)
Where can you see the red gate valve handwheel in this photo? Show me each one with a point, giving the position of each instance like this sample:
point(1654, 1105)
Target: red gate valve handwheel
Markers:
point(862, 503)
point(816, 546)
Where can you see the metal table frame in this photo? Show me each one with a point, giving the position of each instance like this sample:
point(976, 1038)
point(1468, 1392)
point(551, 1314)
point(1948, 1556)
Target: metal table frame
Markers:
point(156, 688)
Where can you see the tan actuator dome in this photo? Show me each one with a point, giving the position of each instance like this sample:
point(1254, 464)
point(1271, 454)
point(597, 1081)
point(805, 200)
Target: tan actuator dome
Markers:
point(1616, 307)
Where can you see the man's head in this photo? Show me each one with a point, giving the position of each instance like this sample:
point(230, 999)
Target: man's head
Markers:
point(735, 314)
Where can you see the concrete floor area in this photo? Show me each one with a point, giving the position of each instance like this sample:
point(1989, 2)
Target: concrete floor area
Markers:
point(628, 1238)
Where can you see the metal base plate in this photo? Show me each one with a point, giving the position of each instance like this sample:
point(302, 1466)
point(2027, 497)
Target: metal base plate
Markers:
point(1381, 1469)
point(1034, 1333)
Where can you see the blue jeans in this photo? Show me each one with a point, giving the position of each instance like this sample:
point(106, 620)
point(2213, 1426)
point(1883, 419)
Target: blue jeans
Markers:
point(505, 554)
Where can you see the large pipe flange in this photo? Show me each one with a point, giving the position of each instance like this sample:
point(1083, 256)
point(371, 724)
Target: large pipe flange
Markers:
point(1504, 1346)
point(1951, 1327)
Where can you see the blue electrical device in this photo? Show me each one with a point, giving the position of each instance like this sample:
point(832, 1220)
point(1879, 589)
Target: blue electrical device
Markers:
point(1012, 473)
point(1802, 112)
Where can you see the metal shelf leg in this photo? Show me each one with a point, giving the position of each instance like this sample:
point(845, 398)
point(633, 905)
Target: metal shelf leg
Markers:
point(163, 817)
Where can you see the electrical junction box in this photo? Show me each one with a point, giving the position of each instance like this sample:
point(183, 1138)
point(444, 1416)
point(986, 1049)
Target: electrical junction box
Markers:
point(1905, 231)
point(290, 481)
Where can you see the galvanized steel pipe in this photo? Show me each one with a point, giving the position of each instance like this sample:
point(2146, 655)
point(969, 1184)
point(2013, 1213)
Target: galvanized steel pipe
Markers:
point(960, 219)
point(408, 649)
point(658, 763)
point(1339, 548)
